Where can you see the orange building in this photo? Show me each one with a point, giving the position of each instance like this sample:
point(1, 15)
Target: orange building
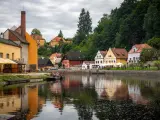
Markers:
point(32, 50)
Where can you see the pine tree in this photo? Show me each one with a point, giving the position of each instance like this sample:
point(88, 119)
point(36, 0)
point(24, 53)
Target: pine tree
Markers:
point(84, 26)
point(60, 34)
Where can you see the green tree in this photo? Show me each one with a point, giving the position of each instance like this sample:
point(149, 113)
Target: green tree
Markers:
point(84, 26)
point(148, 55)
point(45, 51)
point(60, 34)
point(154, 42)
point(35, 31)
point(149, 21)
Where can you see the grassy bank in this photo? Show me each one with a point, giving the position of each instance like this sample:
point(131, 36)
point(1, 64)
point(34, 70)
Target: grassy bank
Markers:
point(5, 77)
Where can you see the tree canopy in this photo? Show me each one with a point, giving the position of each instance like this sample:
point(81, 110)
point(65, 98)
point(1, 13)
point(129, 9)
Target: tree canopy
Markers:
point(35, 31)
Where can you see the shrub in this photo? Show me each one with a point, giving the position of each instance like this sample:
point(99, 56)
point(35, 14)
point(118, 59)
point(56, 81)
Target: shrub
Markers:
point(157, 64)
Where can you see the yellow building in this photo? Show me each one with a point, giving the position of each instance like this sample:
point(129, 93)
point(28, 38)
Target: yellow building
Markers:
point(56, 41)
point(9, 51)
point(116, 57)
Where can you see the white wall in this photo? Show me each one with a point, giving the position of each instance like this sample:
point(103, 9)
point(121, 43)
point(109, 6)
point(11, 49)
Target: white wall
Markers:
point(132, 56)
point(24, 54)
point(6, 35)
point(99, 59)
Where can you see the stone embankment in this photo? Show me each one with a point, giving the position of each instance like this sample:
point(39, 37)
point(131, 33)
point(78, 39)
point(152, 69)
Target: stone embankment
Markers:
point(116, 72)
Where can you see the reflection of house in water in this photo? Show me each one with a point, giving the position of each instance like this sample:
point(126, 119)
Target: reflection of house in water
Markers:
point(56, 88)
point(10, 101)
point(135, 94)
point(87, 81)
point(20, 100)
point(111, 89)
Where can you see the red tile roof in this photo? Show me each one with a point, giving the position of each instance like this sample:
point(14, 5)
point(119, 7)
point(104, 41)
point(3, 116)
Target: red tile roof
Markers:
point(120, 52)
point(139, 48)
point(57, 39)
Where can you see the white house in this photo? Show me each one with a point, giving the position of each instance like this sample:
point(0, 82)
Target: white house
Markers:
point(99, 59)
point(87, 65)
point(135, 52)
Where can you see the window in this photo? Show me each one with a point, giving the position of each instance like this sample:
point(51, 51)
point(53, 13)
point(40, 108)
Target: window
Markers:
point(12, 56)
point(101, 61)
point(109, 56)
point(1, 55)
point(7, 56)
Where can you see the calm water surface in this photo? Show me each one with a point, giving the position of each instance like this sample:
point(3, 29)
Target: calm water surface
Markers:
point(82, 97)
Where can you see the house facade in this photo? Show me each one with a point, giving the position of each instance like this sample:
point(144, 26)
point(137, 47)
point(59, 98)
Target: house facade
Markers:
point(56, 41)
point(9, 53)
point(116, 57)
point(99, 58)
point(87, 65)
point(28, 45)
point(135, 52)
point(56, 58)
point(73, 59)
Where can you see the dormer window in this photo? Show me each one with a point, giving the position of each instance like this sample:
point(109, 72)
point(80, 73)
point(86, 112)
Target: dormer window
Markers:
point(134, 49)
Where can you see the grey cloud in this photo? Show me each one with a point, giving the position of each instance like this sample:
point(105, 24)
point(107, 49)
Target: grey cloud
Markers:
point(52, 15)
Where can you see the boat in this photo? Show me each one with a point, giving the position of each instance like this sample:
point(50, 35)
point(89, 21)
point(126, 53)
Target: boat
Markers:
point(55, 76)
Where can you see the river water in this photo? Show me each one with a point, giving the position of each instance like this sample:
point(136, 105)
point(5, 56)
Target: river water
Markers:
point(83, 97)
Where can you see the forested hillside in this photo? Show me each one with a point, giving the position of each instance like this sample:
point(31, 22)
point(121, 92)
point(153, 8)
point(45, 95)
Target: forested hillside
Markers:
point(135, 21)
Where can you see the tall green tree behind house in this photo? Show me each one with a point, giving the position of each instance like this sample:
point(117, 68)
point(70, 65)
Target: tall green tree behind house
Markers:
point(35, 31)
point(84, 27)
point(60, 34)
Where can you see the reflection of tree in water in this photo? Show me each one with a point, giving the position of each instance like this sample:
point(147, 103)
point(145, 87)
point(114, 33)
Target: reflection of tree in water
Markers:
point(84, 103)
point(120, 110)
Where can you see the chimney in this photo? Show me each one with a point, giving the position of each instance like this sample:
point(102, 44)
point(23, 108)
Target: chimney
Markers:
point(23, 23)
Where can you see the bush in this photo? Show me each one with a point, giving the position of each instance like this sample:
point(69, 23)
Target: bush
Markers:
point(157, 64)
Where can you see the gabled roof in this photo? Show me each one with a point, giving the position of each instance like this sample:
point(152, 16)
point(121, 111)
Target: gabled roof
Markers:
point(139, 48)
point(120, 53)
point(103, 53)
point(8, 42)
point(23, 40)
point(44, 62)
point(57, 39)
point(74, 55)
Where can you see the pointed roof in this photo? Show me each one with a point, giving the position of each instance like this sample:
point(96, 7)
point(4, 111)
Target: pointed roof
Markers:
point(120, 52)
point(139, 48)
point(103, 53)
point(23, 40)
point(74, 55)
point(57, 39)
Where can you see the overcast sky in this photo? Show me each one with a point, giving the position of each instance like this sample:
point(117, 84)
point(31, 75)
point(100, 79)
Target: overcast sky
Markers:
point(49, 16)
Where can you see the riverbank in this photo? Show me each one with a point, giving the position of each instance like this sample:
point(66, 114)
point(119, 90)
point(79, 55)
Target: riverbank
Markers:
point(32, 77)
point(115, 72)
